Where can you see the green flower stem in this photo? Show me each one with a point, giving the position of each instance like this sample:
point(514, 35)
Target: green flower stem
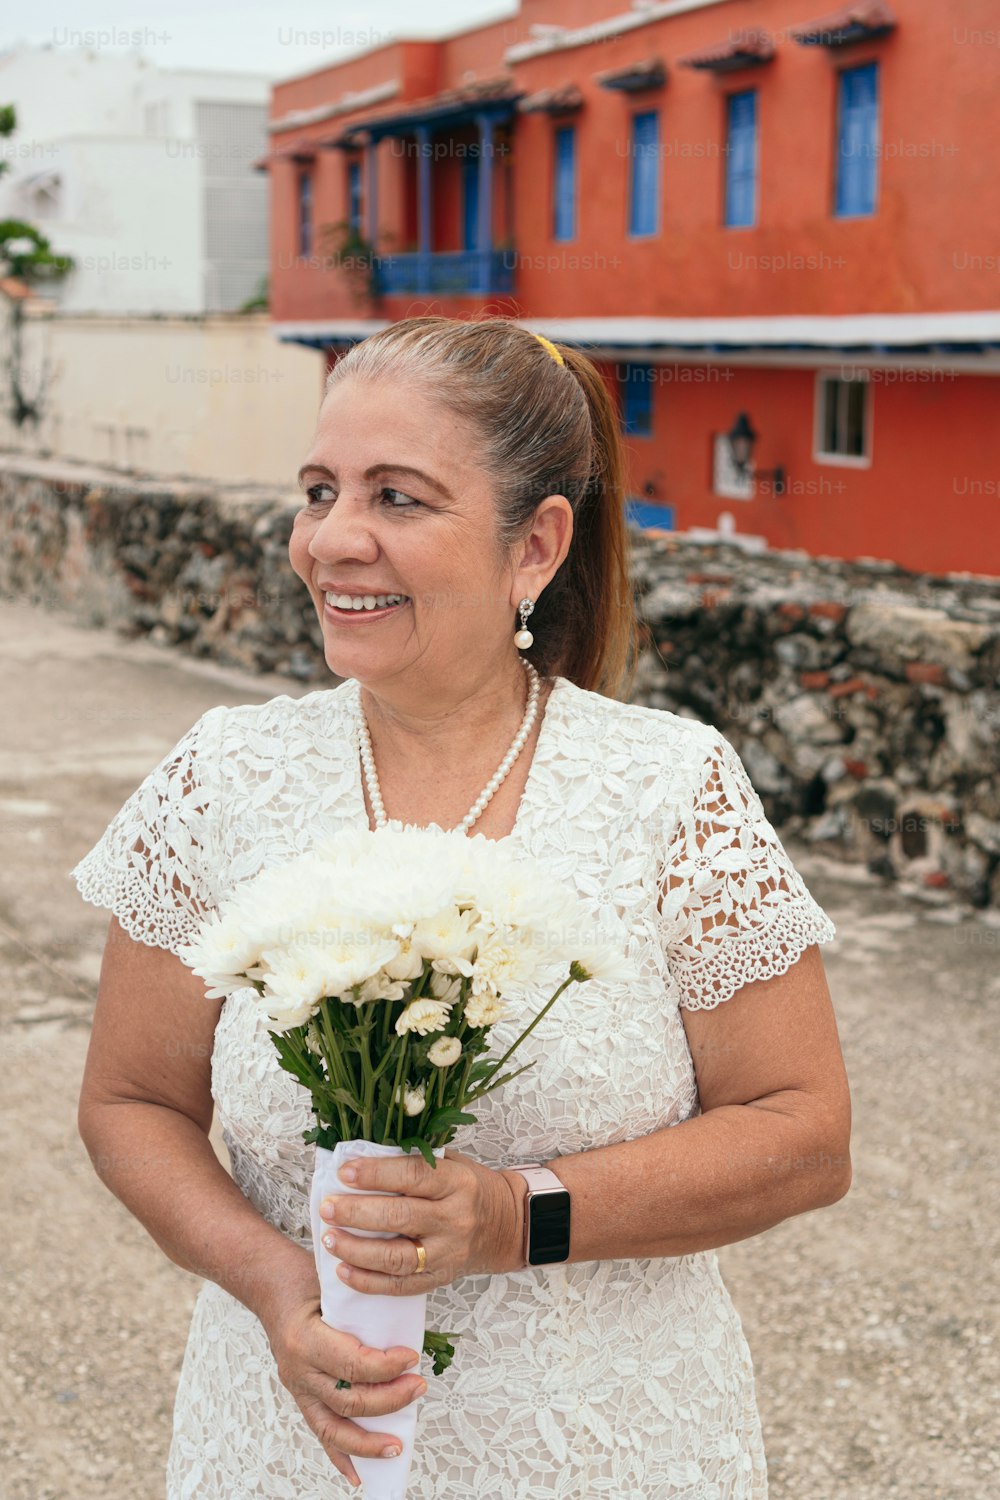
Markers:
point(490, 1086)
point(461, 1000)
point(437, 1086)
point(295, 1041)
point(402, 1088)
point(381, 1067)
point(332, 1057)
point(397, 1089)
point(469, 1064)
point(529, 1029)
point(368, 1077)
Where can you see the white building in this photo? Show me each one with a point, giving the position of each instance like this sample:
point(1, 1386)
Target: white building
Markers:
point(143, 174)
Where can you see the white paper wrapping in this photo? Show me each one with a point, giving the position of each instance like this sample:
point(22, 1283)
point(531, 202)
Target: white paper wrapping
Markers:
point(378, 1321)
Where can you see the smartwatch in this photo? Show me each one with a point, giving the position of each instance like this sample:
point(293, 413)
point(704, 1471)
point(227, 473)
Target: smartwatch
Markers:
point(546, 1215)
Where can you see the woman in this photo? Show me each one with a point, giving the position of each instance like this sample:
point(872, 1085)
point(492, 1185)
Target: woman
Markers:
point(464, 475)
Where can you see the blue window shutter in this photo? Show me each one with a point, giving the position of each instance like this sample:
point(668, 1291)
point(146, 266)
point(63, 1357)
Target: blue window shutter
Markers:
point(645, 174)
point(564, 227)
point(857, 141)
point(637, 400)
point(638, 513)
point(470, 203)
point(354, 194)
point(741, 160)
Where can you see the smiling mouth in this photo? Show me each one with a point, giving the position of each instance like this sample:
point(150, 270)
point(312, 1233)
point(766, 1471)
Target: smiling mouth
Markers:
point(364, 604)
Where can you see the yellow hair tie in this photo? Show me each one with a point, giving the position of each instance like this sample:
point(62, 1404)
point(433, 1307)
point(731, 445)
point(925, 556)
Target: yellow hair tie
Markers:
point(550, 346)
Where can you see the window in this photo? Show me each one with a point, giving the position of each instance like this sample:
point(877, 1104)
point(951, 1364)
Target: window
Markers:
point(354, 194)
point(637, 399)
point(741, 160)
point(644, 208)
point(857, 142)
point(843, 421)
point(564, 205)
point(305, 214)
point(660, 517)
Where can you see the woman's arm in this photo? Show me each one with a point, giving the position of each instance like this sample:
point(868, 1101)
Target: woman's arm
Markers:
point(144, 1115)
point(773, 1139)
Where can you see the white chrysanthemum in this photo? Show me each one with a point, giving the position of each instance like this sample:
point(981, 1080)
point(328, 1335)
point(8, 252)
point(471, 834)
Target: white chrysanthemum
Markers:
point(409, 962)
point(447, 934)
point(223, 950)
point(413, 1100)
point(513, 892)
point(378, 987)
point(445, 1051)
point(484, 1009)
point(281, 903)
point(605, 962)
point(367, 910)
point(293, 990)
point(333, 964)
point(285, 1012)
point(504, 962)
point(423, 1016)
point(452, 966)
point(396, 873)
point(445, 987)
point(300, 976)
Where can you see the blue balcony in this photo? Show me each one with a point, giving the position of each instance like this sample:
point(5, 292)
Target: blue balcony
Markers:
point(473, 272)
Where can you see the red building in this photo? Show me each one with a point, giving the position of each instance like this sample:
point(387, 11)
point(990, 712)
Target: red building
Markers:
point(777, 232)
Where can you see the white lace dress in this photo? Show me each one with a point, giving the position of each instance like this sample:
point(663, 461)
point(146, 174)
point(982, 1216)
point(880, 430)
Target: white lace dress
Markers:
point(622, 1379)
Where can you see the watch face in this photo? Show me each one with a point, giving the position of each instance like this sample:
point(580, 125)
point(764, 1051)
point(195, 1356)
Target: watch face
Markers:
point(549, 1228)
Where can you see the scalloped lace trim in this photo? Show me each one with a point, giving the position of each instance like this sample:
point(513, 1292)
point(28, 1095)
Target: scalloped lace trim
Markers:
point(153, 866)
point(734, 908)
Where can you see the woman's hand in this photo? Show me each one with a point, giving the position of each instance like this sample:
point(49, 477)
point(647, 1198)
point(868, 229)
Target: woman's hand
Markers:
point(311, 1357)
point(467, 1217)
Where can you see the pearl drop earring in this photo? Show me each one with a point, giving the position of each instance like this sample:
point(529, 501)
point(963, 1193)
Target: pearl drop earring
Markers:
point(524, 638)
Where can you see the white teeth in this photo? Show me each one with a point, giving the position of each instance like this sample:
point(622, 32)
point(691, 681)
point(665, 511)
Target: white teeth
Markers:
point(364, 601)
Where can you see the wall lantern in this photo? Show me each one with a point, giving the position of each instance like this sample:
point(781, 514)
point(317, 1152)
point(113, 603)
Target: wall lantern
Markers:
point(742, 438)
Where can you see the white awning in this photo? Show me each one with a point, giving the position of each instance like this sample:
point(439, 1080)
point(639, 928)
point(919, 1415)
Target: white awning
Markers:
point(939, 337)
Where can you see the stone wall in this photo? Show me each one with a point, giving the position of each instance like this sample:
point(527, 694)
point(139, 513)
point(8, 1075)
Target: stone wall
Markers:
point(200, 566)
point(863, 699)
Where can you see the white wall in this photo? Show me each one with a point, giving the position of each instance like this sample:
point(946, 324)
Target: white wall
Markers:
point(60, 93)
point(143, 175)
point(131, 217)
point(213, 398)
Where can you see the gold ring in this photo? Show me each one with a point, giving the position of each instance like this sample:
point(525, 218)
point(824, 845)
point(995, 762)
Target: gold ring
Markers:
point(421, 1256)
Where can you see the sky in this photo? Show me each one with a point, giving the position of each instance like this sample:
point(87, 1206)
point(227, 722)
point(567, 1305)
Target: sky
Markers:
point(253, 36)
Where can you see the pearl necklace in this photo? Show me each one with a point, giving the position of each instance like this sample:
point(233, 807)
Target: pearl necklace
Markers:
point(491, 787)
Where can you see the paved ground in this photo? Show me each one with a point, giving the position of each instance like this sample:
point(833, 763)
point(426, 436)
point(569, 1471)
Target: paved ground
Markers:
point(873, 1324)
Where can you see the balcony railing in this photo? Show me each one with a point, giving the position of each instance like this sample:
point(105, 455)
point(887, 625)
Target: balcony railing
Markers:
point(477, 272)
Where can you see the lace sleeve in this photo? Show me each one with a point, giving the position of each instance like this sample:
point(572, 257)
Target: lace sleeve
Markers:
point(734, 909)
point(154, 865)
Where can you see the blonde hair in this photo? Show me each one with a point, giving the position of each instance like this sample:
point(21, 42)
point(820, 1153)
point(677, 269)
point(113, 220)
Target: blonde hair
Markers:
point(547, 427)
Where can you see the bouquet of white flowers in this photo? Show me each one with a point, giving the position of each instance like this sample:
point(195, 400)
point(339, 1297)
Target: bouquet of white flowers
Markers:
point(382, 961)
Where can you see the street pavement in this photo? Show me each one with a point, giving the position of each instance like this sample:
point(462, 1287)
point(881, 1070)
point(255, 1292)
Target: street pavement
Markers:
point(872, 1324)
